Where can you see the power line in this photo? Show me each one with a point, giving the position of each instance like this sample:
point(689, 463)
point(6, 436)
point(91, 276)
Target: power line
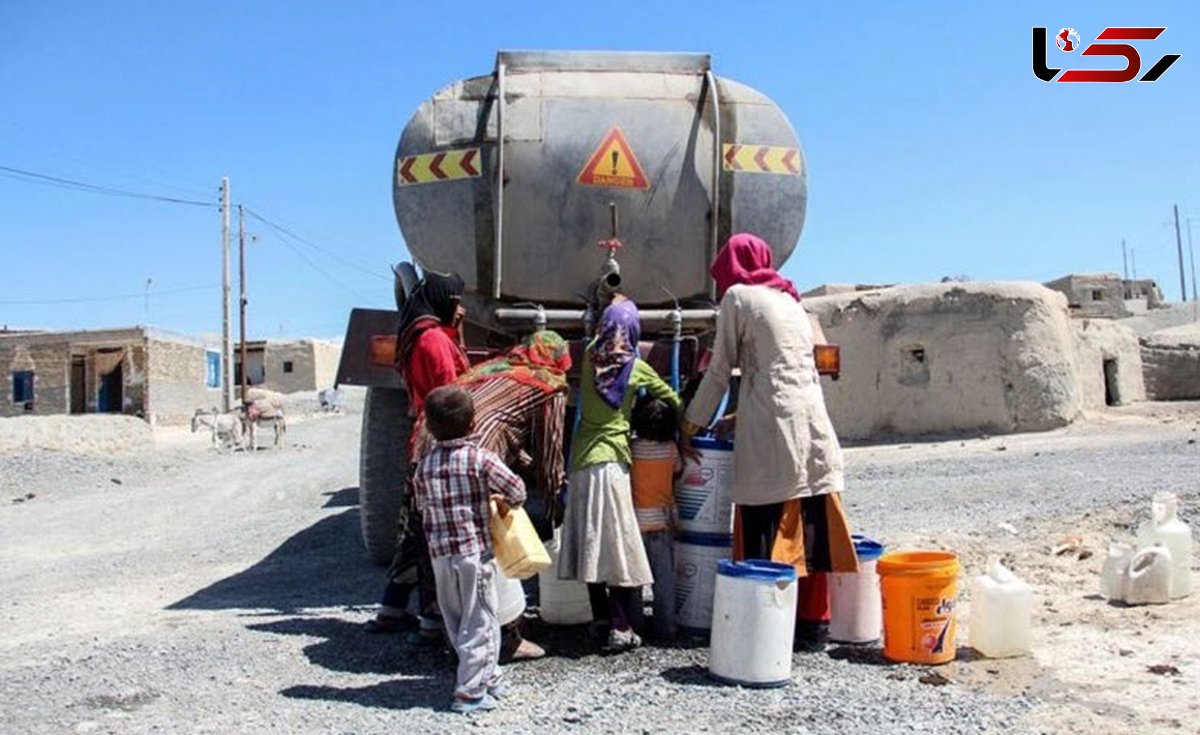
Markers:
point(118, 297)
point(329, 253)
point(32, 177)
point(284, 240)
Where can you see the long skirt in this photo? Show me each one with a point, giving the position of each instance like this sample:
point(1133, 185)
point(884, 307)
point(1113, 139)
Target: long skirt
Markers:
point(601, 541)
point(811, 534)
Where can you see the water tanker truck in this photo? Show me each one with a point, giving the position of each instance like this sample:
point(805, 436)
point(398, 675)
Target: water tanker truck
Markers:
point(553, 182)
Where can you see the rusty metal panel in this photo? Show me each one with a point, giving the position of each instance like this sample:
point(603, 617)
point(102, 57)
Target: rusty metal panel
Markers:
point(355, 366)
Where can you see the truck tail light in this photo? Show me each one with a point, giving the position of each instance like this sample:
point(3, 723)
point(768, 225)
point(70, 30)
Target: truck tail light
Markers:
point(828, 359)
point(383, 349)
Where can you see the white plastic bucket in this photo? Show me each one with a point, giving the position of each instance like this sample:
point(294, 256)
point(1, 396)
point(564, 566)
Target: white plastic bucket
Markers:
point(704, 493)
point(562, 602)
point(511, 597)
point(696, 557)
point(753, 623)
point(855, 607)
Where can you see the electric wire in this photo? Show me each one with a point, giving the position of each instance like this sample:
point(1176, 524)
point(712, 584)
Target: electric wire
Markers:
point(32, 177)
point(285, 232)
point(284, 240)
point(116, 297)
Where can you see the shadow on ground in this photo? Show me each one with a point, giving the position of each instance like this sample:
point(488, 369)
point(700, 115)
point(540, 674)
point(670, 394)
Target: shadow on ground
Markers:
point(321, 566)
point(347, 497)
point(397, 695)
point(346, 646)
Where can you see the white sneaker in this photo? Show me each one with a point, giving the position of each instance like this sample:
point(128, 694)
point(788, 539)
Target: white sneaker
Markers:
point(623, 640)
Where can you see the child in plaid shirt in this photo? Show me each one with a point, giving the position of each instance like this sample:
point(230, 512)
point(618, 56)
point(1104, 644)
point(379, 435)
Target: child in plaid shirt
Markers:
point(452, 487)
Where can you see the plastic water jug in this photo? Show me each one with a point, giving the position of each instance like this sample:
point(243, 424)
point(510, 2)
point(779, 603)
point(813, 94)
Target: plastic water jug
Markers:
point(563, 602)
point(753, 623)
point(1165, 528)
point(855, 606)
point(519, 552)
point(1001, 613)
point(1149, 580)
point(510, 598)
point(1114, 574)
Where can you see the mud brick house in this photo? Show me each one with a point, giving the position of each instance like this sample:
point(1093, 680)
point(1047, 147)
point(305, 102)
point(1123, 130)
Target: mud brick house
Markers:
point(287, 366)
point(140, 371)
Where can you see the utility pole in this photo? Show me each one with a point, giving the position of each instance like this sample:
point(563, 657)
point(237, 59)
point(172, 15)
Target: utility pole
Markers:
point(1124, 260)
point(1192, 258)
point(1133, 261)
point(242, 299)
point(146, 310)
point(1179, 249)
point(226, 348)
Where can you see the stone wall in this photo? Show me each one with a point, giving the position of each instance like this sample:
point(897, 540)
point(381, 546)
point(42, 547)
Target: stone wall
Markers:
point(954, 357)
point(176, 371)
point(1171, 363)
point(50, 362)
point(1108, 364)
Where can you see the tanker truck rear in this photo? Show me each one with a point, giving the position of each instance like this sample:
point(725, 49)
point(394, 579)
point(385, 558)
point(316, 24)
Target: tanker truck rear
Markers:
point(553, 182)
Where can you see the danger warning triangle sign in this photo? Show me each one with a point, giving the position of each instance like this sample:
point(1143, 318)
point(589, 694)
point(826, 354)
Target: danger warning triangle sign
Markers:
point(614, 165)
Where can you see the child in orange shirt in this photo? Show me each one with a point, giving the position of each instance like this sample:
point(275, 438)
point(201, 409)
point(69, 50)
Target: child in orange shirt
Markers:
point(656, 464)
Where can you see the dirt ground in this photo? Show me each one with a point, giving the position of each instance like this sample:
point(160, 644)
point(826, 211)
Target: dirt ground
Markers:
point(167, 587)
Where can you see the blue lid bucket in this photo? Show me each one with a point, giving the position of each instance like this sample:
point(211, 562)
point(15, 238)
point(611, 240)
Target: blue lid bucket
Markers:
point(866, 549)
point(759, 570)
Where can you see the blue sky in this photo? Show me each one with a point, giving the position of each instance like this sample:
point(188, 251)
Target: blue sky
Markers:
point(932, 149)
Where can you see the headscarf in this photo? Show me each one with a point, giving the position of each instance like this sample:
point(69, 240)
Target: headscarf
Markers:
point(613, 351)
point(431, 303)
point(746, 259)
point(541, 360)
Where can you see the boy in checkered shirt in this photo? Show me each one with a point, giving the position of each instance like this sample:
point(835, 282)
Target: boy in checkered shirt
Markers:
point(452, 487)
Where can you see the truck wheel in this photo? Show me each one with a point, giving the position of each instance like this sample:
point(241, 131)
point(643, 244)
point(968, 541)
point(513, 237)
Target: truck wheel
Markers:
point(382, 469)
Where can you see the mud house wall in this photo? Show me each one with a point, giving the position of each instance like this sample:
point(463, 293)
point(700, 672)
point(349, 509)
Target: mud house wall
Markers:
point(299, 354)
point(1171, 363)
point(49, 361)
point(950, 358)
point(1101, 295)
point(1099, 342)
point(325, 363)
point(176, 379)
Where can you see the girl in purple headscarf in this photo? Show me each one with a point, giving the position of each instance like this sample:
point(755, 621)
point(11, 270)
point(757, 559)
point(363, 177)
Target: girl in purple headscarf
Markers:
point(601, 542)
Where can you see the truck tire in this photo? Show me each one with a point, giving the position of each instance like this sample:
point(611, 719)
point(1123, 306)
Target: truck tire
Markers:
point(382, 469)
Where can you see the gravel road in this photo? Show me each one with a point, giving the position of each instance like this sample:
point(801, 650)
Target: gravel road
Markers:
point(172, 589)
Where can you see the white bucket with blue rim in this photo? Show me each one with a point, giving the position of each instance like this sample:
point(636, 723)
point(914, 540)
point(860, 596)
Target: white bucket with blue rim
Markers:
point(753, 623)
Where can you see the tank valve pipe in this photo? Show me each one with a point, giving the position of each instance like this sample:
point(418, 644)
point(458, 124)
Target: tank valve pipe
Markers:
point(676, 340)
point(701, 318)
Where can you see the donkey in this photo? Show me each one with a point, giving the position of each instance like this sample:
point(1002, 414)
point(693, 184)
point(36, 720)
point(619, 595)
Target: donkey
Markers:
point(226, 428)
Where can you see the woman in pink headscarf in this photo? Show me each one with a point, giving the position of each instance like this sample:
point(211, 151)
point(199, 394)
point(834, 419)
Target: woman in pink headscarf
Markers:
point(787, 463)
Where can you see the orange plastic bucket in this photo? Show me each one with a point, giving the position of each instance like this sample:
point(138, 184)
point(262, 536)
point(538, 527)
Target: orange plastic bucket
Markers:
point(919, 590)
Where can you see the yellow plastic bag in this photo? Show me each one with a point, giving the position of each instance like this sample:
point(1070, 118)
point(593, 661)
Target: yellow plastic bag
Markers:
point(520, 554)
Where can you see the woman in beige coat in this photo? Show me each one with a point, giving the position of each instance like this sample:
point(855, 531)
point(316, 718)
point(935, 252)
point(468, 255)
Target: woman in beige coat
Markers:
point(787, 463)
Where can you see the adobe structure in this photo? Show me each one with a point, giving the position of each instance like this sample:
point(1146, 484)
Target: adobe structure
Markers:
point(970, 357)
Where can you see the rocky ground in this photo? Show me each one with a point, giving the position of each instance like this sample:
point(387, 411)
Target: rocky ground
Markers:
point(160, 586)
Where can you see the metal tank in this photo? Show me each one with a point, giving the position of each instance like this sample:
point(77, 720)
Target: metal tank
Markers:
point(511, 178)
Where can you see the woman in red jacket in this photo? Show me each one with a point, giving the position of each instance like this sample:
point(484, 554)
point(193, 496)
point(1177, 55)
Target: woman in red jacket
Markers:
point(429, 354)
